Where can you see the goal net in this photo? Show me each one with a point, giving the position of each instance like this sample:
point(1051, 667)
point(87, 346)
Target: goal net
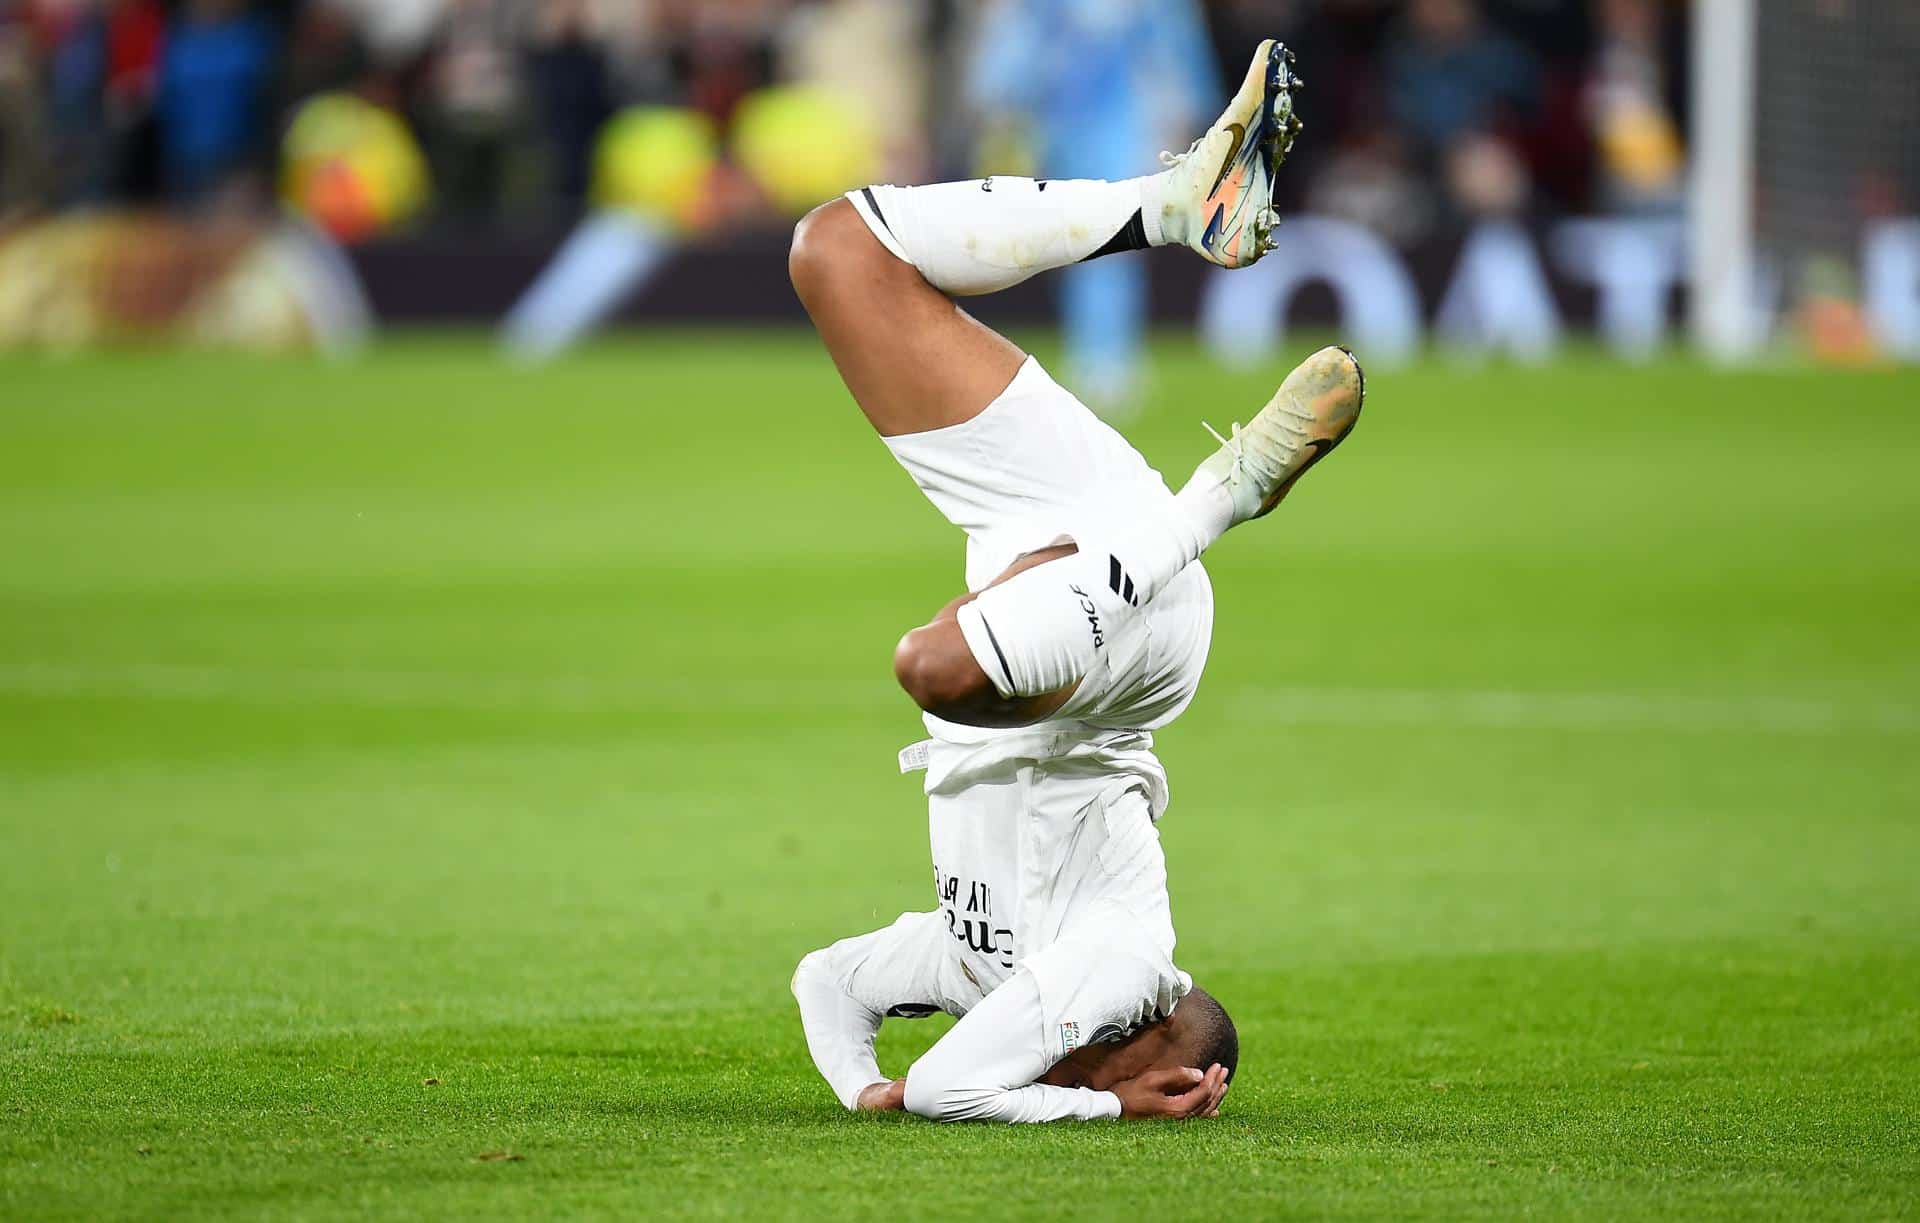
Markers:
point(1835, 157)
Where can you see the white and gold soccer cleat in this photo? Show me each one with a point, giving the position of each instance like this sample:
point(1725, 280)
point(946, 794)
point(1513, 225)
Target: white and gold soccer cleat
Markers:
point(1219, 197)
point(1312, 412)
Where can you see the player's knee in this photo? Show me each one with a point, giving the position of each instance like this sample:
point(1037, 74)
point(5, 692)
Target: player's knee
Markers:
point(805, 259)
point(930, 1095)
point(832, 247)
point(923, 1094)
point(821, 243)
point(811, 967)
point(937, 670)
point(942, 1092)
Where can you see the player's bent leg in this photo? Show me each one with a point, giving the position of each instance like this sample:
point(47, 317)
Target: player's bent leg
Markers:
point(876, 269)
point(912, 359)
point(938, 669)
point(1018, 652)
point(944, 664)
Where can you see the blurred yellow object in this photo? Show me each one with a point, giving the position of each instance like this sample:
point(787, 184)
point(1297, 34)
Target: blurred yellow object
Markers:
point(804, 145)
point(656, 161)
point(1006, 149)
point(96, 279)
point(1638, 142)
point(352, 168)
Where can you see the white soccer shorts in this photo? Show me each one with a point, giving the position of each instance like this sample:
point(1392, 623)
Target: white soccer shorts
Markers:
point(1021, 476)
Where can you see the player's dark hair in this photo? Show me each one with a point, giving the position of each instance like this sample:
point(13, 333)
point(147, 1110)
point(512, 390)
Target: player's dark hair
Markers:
point(1210, 1031)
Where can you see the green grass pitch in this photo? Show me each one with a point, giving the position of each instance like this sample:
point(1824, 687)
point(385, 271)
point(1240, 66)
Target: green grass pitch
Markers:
point(418, 779)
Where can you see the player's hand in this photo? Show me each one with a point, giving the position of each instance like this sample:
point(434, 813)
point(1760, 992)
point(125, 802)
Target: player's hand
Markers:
point(1173, 1094)
point(882, 1098)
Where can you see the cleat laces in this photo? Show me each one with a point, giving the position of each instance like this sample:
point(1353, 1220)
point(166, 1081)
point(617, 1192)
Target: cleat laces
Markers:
point(1266, 463)
point(1172, 160)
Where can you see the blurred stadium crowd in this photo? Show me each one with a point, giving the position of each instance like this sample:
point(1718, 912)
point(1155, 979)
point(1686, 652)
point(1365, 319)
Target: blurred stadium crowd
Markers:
point(1421, 114)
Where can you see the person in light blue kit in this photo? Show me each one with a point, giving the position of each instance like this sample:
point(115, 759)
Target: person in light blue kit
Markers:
point(1101, 81)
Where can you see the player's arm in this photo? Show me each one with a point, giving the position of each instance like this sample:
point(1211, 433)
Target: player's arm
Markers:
point(845, 992)
point(985, 1068)
point(840, 1029)
point(1019, 1056)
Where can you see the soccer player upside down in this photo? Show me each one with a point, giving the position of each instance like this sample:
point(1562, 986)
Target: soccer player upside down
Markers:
point(1088, 629)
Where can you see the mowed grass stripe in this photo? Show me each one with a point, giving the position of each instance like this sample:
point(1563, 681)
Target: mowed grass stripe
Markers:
point(1318, 706)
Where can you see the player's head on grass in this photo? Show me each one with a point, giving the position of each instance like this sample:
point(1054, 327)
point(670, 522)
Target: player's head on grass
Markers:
point(1199, 1034)
point(1206, 1032)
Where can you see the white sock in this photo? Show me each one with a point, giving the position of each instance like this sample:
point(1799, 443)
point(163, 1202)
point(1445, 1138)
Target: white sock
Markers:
point(985, 235)
point(1206, 507)
point(1144, 545)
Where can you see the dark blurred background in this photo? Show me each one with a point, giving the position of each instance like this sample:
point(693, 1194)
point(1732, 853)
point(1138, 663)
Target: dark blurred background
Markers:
point(454, 143)
point(1419, 112)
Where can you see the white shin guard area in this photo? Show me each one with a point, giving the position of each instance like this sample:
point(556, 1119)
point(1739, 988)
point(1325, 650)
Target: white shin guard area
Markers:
point(984, 235)
point(1041, 630)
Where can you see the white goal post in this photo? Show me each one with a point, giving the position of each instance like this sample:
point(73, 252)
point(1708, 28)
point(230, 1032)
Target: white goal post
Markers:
point(1721, 197)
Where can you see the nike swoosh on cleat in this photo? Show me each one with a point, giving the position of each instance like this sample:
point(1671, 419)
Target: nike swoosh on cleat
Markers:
point(1321, 449)
point(1213, 226)
point(1239, 131)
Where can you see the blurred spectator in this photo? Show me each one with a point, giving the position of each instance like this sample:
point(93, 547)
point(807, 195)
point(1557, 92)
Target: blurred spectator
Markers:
point(101, 74)
point(1370, 181)
point(870, 51)
point(22, 143)
point(1558, 33)
point(1486, 178)
point(633, 37)
point(1637, 138)
point(568, 75)
point(1452, 79)
point(325, 53)
point(395, 31)
point(135, 30)
point(473, 111)
point(214, 77)
point(723, 50)
point(75, 64)
point(1450, 73)
point(1104, 85)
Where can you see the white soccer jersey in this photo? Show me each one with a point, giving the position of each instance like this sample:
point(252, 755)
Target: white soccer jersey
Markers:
point(1053, 928)
point(1053, 932)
